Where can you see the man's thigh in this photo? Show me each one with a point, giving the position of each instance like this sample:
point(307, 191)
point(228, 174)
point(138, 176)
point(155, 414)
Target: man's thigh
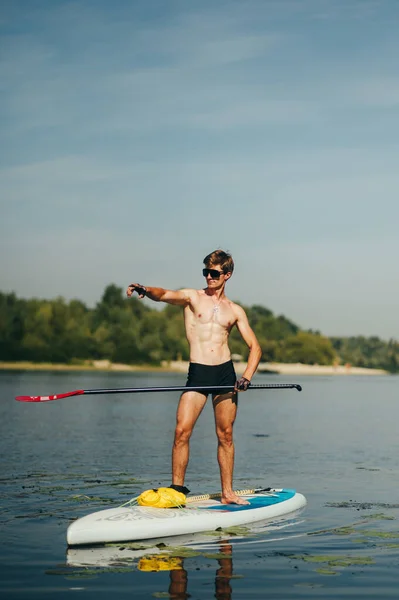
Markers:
point(189, 408)
point(225, 408)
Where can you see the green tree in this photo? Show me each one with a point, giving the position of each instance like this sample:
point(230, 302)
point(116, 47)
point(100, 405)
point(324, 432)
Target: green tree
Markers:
point(133, 332)
point(306, 348)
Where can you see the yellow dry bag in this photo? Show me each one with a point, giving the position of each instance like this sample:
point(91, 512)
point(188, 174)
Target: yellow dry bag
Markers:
point(162, 497)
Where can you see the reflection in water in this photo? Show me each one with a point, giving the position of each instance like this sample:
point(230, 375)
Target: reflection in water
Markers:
point(178, 587)
point(178, 584)
point(223, 590)
point(172, 557)
point(160, 562)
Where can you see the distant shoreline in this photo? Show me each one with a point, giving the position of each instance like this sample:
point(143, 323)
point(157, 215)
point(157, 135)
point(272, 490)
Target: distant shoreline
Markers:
point(182, 366)
point(295, 369)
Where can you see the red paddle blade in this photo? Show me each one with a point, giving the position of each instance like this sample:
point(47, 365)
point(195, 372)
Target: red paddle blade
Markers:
point(48, 398)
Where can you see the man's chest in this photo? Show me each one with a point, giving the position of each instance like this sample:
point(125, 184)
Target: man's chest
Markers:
point(209, 310)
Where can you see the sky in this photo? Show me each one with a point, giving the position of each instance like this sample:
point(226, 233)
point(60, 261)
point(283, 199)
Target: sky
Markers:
point(140, 135)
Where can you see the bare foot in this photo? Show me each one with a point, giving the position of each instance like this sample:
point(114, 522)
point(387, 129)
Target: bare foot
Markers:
point(233, 499)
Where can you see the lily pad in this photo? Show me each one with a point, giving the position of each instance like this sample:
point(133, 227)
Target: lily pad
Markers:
point(230, 531)
point(82, 498)
point(380, 534)
point(127, 546)
point(326, 572)
point(360, 505)
point(218, 556)
point(334, 560)
point(346, 530)
point(182, 552)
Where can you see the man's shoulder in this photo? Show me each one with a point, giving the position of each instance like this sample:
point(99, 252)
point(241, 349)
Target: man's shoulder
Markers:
point(231, 303)
point(237, 308)
point(201, 293)
point(190, 293)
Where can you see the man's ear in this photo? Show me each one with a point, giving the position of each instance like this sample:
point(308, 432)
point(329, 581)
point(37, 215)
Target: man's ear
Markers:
point(227, 275)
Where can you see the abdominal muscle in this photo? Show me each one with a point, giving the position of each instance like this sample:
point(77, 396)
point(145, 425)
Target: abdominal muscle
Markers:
point(207, 334)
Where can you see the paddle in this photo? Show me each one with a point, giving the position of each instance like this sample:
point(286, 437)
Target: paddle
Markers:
point(210, 389)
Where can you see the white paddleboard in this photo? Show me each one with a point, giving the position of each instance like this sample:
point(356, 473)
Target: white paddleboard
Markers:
point(129, 523)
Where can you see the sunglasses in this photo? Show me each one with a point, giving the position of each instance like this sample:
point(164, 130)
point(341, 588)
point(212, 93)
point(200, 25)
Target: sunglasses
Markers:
point(214, 273)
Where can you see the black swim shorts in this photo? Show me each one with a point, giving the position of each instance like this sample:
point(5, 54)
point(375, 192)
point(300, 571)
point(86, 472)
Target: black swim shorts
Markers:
point(209, 375)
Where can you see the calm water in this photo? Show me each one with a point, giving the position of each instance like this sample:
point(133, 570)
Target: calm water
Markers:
point(337, 442)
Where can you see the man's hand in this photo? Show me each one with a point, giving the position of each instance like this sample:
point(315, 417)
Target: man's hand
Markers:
point(242, 385)
point(136, 287)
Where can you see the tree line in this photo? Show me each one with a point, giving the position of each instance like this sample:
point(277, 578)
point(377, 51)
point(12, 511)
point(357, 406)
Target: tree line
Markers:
point(131, 332)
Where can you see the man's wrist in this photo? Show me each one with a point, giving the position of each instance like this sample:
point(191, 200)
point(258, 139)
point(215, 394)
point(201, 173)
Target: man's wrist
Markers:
point(141, 290)
point(242, 384)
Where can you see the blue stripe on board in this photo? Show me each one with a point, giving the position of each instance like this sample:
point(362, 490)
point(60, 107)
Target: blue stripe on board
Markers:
point(256, 502)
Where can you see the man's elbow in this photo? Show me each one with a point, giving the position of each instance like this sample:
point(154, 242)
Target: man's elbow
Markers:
point(256, 350)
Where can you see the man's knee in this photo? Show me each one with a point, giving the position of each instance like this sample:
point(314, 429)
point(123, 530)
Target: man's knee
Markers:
point(225, 435)
point(182, 434)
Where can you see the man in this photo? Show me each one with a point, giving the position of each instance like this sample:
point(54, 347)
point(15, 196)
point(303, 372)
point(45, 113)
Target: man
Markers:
point(209, 317)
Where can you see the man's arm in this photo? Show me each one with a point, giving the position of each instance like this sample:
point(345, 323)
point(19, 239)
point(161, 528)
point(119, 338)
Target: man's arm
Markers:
point(179, 297)
point(247, 334)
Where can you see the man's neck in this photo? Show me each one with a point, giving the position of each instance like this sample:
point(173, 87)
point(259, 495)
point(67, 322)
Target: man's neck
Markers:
point(217, 293)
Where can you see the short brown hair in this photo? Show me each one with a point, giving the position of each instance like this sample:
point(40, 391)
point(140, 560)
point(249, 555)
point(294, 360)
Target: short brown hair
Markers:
point(221, 258)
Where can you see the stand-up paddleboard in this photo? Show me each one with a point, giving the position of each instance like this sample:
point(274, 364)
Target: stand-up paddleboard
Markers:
point(115, 554)
point(129, 523)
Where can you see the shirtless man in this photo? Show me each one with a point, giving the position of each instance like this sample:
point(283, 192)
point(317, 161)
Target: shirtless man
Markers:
point(209, 317)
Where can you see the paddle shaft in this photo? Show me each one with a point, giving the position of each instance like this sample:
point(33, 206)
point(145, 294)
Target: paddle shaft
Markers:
point(204, 388)
point(178, 388)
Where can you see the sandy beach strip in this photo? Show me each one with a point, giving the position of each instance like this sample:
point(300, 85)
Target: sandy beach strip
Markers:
point(293, 369)
point(301, 369)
